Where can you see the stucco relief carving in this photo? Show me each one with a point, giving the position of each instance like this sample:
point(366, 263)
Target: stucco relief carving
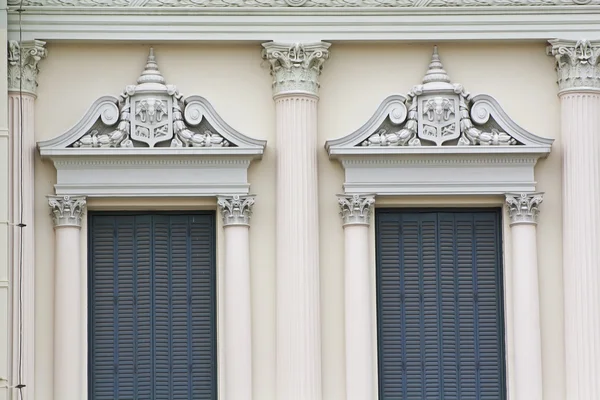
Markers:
point(576, 63)
point(150, 115)
point(236, 210)
point(296, 67)
point(438, 112)
point(23, 63)
point(67, 210)
point(523, 208)
point(300, 3)
point(356, 209)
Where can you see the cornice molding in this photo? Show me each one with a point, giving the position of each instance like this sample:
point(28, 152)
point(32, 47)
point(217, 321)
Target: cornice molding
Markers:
point(523, 208)
point(356, 209)
point(67, 210)
point(235, 210)
point(23, 63)
point(576, 64)
point(191, 4)
point(295, 67)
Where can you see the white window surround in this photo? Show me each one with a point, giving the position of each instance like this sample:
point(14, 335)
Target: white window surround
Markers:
point(486, 157)
point(105, 160)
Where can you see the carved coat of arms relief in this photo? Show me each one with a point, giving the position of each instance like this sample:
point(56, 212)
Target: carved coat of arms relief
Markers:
point(151, 120)
point(438, 118)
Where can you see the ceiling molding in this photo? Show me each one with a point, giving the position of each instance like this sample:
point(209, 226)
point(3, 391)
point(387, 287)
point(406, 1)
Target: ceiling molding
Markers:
point(330, 23)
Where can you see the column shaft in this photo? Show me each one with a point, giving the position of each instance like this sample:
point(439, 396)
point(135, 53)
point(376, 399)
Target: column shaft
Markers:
point(67, 311)
point(67, 212)
point(236, 211)
point(577, 64)
point(523, 211)
point(295, 69)
point(360, 376)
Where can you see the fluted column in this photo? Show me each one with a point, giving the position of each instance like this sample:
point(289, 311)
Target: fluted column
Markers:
point(236, 211)
point(579, 84)
point(66, 212)
point(22, 87)
point(295, 70)
point(523, 212)
point(356, 213)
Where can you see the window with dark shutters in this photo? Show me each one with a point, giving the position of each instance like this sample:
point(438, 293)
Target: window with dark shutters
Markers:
point(439, 298)
point(152, 330)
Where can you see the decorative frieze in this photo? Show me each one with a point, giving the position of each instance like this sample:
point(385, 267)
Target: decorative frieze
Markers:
point(23, 63)
point(300, 3)
point(576, 63)
point(67, 210)
point(295, 68)
point(356, 209)
point(235, 210)
point(523, 208)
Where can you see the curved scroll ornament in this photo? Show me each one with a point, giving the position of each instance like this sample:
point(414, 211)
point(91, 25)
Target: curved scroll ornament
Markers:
point(149, 113)
point(440, 112)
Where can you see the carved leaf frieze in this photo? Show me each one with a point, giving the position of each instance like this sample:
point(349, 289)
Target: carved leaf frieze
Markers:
point(439, 113)
point(150, 115)
point(299, 3)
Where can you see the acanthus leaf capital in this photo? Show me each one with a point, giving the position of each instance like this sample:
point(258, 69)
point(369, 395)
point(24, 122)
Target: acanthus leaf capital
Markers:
point(523, 208)
point(67, 210)
point(356, 209)
point(576, 63)
point(23, 60)
point(236, 209)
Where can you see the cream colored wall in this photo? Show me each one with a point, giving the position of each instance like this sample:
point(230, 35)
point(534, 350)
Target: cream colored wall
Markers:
point(355, 80)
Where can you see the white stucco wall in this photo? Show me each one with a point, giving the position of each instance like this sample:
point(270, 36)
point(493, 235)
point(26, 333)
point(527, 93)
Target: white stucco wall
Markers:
point(355, 80)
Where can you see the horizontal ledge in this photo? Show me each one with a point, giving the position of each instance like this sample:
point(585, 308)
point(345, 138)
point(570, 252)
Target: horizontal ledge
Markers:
point(304, 24)
point(150, 153)
point(480, 151)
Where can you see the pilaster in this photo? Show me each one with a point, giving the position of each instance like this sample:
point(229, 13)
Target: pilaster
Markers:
point(295, 69)
point(356, 211)
point(579, 92)
point(236, 211)
point(22, 75)
point(66, 213)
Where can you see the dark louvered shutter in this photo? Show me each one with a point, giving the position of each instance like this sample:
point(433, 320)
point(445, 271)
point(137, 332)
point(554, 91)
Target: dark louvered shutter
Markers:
point(440, 320)
point(152, 307)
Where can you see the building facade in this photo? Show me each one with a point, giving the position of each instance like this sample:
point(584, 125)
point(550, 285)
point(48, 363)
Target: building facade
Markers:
point(313, 200)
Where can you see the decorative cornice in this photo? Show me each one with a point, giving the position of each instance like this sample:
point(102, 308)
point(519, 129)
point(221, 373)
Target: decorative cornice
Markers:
point(356, 209)
point(295, 3)
point(23, 65)
point(523, 207)
point(67, 210)
point(235, 210)
point(295, 68)
point(576, 64)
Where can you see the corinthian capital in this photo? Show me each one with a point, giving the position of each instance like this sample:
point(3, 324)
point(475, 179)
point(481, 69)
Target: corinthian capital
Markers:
point(576, 63)
point(295, 68)
point(523, 207)
point(236, 210)
point(356, 209)
point(23, 65)
point(67, 210)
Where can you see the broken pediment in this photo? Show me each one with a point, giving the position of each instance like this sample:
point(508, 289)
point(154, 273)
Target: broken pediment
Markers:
point(438, 113)
point(151, 114)
point(439, 139)
point(151, 141)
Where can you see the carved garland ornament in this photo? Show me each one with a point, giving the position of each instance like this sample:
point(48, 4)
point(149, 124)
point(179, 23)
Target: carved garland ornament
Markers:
point(437, 112)
point(299, 3)
point(150, 114)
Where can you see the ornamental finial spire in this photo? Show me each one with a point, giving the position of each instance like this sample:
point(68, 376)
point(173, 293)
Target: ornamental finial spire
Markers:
point(436, 71)
point(151, 73)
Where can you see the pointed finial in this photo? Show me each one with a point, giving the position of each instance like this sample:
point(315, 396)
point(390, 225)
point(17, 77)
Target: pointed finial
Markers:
point(151, 73)
point(436, 72)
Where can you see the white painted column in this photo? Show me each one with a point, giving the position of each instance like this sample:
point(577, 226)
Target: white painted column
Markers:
point(67, 212)
point(523, 211)
point(22, 62)
point(356, 213)
point(295, 70)
point(236, 211)
point(579, 84)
